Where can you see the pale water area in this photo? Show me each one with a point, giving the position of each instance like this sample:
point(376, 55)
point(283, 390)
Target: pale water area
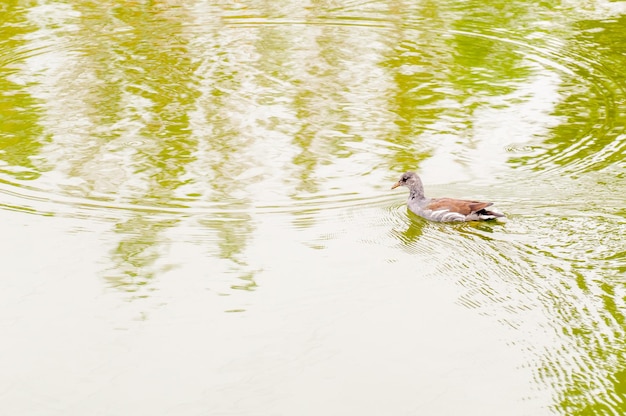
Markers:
point(197, 215)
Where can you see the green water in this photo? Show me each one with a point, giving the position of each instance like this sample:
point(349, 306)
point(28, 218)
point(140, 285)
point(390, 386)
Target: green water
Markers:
point(197, 216)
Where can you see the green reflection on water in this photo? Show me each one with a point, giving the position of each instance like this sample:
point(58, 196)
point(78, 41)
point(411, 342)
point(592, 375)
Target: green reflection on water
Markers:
point(591, 136)
point(21, 135)
point(140, 247)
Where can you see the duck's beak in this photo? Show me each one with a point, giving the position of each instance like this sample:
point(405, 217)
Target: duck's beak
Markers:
point(395, 185)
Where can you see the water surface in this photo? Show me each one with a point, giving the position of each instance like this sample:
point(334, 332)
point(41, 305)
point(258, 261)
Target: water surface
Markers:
point(198, 220)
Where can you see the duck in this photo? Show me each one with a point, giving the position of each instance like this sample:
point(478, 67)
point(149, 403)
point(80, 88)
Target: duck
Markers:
point(443, 209)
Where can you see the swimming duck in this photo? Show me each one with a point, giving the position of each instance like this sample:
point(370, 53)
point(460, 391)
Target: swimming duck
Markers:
point(443, 209)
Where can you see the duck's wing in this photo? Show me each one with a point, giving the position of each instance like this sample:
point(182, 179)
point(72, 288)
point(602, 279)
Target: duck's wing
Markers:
point(462, 206)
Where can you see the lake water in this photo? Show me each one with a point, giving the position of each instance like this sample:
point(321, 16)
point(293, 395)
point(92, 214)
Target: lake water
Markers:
point(197, 214)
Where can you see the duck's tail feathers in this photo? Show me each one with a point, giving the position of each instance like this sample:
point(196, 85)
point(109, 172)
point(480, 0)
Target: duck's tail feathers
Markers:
point(485, 214)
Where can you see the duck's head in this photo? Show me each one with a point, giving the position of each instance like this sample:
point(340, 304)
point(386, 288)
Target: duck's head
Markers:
point(408, 179)
point(413, 182)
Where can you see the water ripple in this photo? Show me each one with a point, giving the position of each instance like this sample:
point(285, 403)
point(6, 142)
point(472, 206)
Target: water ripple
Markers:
point(569, 157)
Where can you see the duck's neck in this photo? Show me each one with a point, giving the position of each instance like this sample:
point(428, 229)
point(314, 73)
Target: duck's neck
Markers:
point(416, 191)
point(416, 194)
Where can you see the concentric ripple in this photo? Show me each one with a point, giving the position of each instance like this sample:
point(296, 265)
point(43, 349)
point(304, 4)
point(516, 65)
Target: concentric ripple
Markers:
point(338, 123)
